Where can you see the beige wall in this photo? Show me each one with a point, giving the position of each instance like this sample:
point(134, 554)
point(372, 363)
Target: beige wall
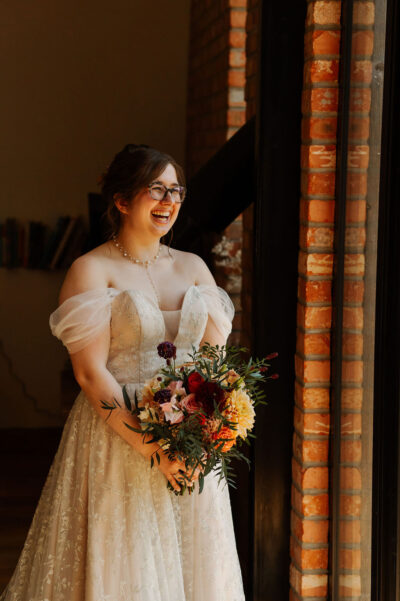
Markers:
point(79, 80)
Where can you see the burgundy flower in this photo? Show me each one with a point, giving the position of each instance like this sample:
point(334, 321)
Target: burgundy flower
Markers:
point(271, 356)
point(194, 381)
point(167, 350)
point(163, 395)
point(207, 393)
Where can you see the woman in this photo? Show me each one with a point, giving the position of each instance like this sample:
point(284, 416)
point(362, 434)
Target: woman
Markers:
point(106, 527)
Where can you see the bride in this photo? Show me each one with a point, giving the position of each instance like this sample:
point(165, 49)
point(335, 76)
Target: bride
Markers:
point(106, 527)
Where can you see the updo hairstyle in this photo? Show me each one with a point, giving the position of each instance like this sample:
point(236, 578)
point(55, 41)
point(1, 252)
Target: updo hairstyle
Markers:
point(132, 169)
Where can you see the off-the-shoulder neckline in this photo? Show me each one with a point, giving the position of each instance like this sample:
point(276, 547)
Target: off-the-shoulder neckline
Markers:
point(153, 300)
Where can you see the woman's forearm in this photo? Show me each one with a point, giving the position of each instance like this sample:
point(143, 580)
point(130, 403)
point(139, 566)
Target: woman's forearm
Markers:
point(102, 386)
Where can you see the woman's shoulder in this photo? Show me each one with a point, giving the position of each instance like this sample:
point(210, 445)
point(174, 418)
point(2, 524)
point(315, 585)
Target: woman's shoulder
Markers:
point(194, 266)
point(87, 272)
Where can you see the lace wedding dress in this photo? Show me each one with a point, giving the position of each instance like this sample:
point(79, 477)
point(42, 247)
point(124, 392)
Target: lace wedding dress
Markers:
point(106, 527)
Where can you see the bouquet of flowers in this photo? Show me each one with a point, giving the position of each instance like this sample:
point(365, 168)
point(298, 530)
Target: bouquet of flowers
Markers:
point(202, 410)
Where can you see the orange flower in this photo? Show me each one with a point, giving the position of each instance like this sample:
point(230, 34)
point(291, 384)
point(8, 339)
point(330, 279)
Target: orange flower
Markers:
point(225, 434)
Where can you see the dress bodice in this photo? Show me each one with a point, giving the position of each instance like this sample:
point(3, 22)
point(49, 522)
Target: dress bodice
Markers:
point(137, 325)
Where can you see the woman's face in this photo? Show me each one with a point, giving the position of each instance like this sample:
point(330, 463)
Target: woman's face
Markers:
point(140, 214)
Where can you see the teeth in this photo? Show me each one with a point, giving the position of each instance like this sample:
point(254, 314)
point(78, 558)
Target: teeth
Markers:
point(162, 213)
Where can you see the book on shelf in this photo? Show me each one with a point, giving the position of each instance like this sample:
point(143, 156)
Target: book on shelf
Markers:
point(35, 245)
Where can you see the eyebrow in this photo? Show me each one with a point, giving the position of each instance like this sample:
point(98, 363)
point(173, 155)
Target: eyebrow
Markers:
point(158, 182)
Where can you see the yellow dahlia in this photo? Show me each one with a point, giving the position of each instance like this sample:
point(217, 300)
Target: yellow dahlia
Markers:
point(240, 410)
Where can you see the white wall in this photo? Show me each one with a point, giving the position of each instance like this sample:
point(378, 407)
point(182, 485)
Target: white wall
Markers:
point(79, 81)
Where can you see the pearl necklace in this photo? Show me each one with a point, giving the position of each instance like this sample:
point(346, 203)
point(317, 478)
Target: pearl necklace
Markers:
point(133, 259)
point(145, 264)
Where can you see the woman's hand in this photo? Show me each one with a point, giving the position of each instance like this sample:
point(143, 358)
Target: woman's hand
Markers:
point(172, 469)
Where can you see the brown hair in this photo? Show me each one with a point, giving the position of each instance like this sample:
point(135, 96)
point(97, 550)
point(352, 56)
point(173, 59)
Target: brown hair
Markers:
point(132, 169)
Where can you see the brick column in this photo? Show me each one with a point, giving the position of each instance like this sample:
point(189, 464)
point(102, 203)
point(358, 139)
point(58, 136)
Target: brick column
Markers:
point(310, 472)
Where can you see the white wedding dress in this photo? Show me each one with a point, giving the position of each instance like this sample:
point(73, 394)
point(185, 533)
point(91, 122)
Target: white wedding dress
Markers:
point(106, 527)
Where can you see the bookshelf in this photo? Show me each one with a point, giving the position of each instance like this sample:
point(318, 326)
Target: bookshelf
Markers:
point(36, 245)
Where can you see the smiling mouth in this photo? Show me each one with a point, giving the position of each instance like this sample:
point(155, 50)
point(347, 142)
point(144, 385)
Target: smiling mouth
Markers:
point(161, 216)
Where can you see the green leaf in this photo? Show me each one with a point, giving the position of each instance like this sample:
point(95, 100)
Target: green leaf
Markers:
point(126, 398)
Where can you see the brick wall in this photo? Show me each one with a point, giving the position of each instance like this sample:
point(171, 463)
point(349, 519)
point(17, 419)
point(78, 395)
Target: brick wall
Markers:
point(310, 500)
point(216, 110)
point(310, 472)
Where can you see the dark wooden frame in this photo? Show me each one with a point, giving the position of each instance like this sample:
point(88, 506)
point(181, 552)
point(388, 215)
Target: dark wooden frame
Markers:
point(386, 462)
point(276, 231)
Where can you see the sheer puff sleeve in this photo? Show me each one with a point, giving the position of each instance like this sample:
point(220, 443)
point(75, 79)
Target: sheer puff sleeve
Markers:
point(80, 318)
point(220, 308)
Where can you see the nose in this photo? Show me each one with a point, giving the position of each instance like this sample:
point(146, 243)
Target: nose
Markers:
point(170, 199)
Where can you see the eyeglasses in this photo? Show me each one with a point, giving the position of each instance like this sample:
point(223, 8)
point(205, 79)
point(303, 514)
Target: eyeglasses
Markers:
point(159, 192)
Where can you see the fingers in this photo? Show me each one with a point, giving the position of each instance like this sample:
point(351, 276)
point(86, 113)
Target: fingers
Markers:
point(173, 482)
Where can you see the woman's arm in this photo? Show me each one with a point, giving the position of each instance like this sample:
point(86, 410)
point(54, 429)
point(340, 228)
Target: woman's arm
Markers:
point(204, 276)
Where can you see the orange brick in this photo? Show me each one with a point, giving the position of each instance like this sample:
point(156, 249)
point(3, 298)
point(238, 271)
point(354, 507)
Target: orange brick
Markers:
point(319, 100)
point(350, 478)
point(361, 71)
point(354, 264)
point(363, 42)
point(321, 70)
point(319, 128)
point(350, 423)
point(350, 531)
point(352, 344)
point(320, 237)
point(314, 290)
point(359, 128)
point(318, 184)
point(308, 559)
point(237, 58)
point(311, 398)
point(355, 237)
point(351, 451)
point(313, 344)
point(237, 39)
point(351, 398)
point(236, 118)
point(236, 78)
point(363, 13)
point(318, 155)
point(314, 317)
point(311, 423)
point(315, 263)
point(310, 477)
point(323, 12)
point(352, 371)
point(349, 585)
point(308, 585)
point(350, 505)
point(353, 291)
point(310, 450)
point(350, 559)
point(316, 505)
point(238, 18)
point(311, 371)
point(358, 156)
point(321, 41)
point(356, 211)
point(308, 531)
point(356, 183)
point(319, 211)
point(353, 318)
point(360, 99)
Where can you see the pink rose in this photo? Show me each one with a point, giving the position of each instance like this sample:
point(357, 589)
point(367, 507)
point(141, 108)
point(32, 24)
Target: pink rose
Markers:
point(190, 403)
